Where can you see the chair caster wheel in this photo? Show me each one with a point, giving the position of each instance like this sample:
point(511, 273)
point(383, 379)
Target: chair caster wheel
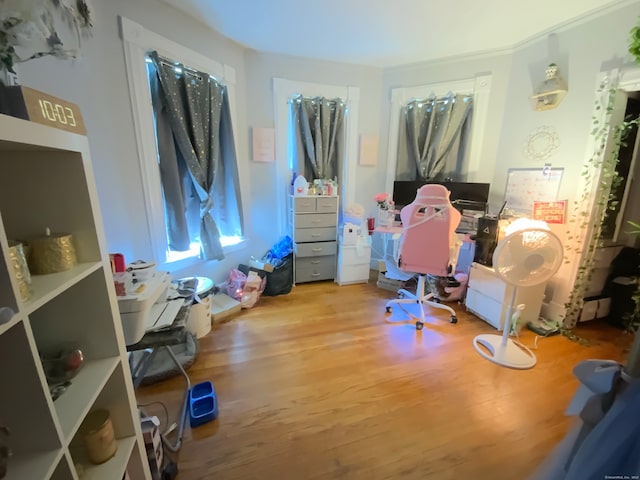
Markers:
point(387, 309)
point(436, 299)
point(400, 295)
point(419, 325)
point(454, 319)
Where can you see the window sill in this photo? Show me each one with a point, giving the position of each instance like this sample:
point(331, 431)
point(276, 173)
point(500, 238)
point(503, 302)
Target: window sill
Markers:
point(192, 261)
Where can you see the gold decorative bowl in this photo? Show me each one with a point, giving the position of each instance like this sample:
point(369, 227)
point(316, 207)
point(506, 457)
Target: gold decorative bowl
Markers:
point(52, 253)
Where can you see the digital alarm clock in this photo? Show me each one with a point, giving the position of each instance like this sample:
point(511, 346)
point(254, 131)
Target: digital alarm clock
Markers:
point(35, 106)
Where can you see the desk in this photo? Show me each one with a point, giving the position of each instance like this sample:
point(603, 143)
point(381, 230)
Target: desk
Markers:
point(154, 342)
point(388, 234)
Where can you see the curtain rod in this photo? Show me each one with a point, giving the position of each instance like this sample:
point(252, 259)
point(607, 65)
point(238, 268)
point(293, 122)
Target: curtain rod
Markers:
point(441, 99)
point(298, 97)
point(186, 69)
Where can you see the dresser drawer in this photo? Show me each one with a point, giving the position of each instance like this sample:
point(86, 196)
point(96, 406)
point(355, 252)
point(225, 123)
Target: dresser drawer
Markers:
point(488, 282)
point(314, 234)
point(316, 249)
point(484, 307)
point(348, 274)
point(309, 269)
point(355, 255)
point(304, 204)
point(315, 220)
point(326, 204)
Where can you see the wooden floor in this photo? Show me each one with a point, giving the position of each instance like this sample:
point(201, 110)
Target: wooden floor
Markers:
point(319, 384)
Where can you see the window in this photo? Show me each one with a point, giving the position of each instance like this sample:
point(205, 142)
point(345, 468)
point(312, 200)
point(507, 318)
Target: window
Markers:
point(284, 90)
point(479, 88)
point(317, 133)
point(226, 215)
point(432, 138)
point(196, 158)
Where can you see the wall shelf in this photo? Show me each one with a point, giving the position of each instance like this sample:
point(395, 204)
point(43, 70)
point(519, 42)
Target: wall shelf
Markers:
point(46, 180)
point(46, 287)
point(73, 405)
point(112, 468)
point(34, 465)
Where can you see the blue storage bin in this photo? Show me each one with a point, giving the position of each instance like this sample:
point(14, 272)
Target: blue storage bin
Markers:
point(203, 404)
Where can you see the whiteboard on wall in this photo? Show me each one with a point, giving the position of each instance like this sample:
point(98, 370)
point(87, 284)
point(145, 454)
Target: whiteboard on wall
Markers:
point(528, 185)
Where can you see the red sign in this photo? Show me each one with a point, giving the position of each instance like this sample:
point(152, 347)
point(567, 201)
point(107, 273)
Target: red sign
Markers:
point(550, 212)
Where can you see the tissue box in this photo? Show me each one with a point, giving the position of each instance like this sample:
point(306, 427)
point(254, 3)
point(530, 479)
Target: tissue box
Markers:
point(349, 234)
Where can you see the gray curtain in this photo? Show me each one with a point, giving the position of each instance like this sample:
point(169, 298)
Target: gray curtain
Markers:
point(319, 143)
point(431, 139)
point(197, 156)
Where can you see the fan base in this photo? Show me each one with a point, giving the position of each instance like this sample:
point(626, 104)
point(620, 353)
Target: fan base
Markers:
point(513, 354)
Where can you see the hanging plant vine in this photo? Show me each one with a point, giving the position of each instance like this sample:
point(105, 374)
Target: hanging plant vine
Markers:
point(588, 216)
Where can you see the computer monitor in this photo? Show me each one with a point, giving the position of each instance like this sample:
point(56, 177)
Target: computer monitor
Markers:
point(464, 195)
point(469, 198)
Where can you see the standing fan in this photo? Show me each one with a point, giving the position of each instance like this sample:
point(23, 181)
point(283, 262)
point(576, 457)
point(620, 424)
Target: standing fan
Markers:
point(522, 259)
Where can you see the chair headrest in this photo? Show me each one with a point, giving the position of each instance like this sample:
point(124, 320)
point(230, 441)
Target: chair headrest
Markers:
point(432, 193)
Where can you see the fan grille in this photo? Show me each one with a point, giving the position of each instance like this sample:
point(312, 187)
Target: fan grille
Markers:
point(528, 257)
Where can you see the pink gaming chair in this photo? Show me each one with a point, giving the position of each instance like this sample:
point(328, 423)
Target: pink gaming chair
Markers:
point(428, 245)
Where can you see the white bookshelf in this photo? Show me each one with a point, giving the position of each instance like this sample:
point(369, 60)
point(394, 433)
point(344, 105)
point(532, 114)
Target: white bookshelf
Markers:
point(46, 180)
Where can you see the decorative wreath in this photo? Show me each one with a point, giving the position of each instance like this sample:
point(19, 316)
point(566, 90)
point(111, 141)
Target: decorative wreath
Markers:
point(543, 141)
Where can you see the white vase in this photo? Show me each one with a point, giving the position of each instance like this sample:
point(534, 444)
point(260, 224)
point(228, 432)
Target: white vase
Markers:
point(385, 218)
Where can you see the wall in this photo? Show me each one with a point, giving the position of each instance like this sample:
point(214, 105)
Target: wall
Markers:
point(98, 84)
point(581, 49)
point(499, 65)
point(261, 69)
point(581, 52)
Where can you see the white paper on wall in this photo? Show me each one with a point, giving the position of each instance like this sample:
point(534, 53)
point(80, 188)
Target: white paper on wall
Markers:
point(527, 185)
point(264, 144)
point(368, 150)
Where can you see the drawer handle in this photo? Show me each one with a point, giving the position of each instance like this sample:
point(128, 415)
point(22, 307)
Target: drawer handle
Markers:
point(316, 249)
point(315, 221)
point(315, 234)
point(315, 262)
point(315, 274)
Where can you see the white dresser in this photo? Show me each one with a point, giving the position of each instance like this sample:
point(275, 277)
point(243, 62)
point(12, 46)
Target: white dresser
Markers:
point(354, 261)
point(314, 222)
point(489, 296)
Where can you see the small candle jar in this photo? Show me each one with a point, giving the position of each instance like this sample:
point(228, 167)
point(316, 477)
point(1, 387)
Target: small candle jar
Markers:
point(98, 436)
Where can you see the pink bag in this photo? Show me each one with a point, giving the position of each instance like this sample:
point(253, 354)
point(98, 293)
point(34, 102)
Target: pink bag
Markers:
point(253, 288)
point(235, 284)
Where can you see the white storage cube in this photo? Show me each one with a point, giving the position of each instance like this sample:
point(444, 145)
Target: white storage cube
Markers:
point(353, 263)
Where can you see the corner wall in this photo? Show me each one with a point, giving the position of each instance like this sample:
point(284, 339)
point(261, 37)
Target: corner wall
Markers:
point(581, 52)
point(97, 82)
point(261, 69)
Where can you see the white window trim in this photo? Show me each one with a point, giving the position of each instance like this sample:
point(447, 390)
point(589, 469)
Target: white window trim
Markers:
point(624, 82)
point(138, 41)
point(479, 87)
point(283, 90)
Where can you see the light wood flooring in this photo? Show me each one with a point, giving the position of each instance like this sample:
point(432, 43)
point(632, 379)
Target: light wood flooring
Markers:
point(319, 384)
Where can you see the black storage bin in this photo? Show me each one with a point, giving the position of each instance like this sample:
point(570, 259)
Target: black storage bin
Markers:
point(621, 290)
point(280, 281)
point(621, 285)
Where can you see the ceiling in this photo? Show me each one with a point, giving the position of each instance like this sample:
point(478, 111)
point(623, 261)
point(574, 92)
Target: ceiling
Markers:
point(384, 33)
